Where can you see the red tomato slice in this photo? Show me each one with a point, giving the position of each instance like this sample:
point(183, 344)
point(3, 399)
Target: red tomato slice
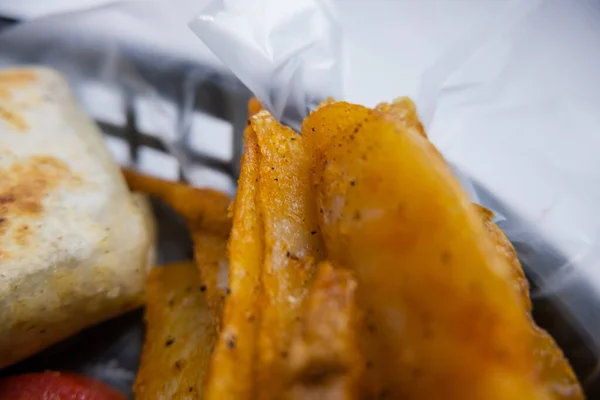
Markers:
point(55, 386)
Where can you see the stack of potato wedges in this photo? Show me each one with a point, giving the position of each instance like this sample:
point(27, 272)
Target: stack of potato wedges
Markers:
point(351, 265)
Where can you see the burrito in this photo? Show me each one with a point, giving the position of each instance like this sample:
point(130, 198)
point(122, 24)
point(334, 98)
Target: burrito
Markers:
point(75, 244)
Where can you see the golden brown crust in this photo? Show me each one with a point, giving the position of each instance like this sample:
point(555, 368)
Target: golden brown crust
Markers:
point(232, 372)
point(254, 106)
point(210, 254)
point(550, 363)
point(292, 243)
point(206, 213)
point(506, 250)
point(402, 112)
point(179, 336)
point(443, 316)
point(206, 209)
point(324, 356)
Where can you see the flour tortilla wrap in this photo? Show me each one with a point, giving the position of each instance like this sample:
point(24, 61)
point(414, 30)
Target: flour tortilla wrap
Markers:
point(75, 245)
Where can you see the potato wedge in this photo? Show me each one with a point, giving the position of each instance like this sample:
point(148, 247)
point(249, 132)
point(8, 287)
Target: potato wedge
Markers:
point(206, 208)
point(292, 243)
point(179, 336)
point(232, 369)
point(552, 366)
point(210, 254)
point(444, 318)
point(206, 212)
point(324, 357)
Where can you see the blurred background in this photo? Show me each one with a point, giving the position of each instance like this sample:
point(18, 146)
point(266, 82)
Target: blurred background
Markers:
point(387, 46)
point(388, 43)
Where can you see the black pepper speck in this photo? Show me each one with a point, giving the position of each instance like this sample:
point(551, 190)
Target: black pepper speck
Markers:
point(231, 342)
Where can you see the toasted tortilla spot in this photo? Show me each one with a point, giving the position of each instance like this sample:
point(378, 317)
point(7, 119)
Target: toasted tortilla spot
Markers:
point(17, 77)
point(13, 119)
point(12, 78)
point(23, 187)
point(21, 233)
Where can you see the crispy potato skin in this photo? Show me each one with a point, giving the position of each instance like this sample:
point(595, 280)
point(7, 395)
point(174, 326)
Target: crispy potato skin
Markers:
point(205, 208)
point(508, 253)
point(180, 336)
point(254, 106)
point(324, 356)
point(232, 369)
point(210, 255)
point(552, 366)
point(292, 244)
point(444, 319)
point(403, 113)
point(206, 213)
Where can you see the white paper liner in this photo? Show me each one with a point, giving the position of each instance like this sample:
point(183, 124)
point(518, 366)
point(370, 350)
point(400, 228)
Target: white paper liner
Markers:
point(286, 52)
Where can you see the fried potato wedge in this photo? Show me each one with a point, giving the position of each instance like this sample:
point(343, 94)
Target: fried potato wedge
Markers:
point(206, 212)
point(179, 336)
point(205, 208)
point(232, 366)
point(552, 366)
point(292, 243)
point(210, 254)
point(324, 356)
point(403, 113)
point(444, 318)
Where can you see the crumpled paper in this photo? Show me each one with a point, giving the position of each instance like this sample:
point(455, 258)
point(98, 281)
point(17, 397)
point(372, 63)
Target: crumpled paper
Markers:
point(512, 107)
point(287, 53)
